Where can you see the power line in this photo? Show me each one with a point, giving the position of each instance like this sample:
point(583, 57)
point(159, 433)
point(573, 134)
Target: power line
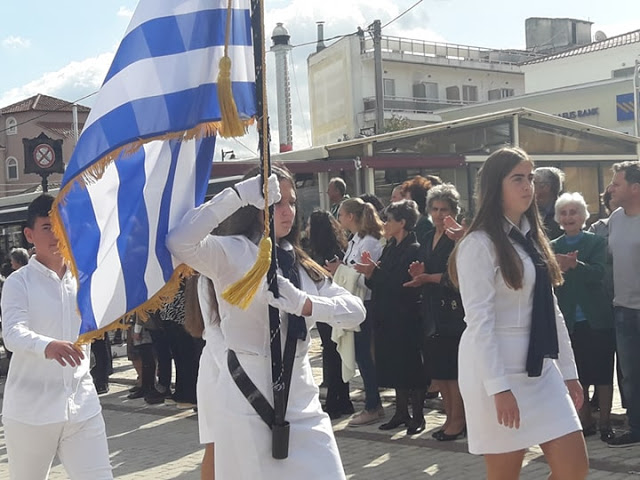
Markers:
point(403, 13)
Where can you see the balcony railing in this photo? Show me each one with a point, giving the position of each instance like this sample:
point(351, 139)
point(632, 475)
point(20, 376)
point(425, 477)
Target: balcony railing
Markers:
point(447, 52)
point(411, 104)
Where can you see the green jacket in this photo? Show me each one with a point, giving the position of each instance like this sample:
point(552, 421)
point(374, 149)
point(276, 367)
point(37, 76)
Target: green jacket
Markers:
point(584, 284)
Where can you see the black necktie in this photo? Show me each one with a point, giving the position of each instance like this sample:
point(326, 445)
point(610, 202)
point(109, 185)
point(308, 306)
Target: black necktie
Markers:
point(287, 262)
point(543, 339)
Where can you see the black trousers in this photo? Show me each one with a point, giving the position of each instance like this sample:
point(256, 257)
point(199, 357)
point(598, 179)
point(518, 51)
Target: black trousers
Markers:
point(101, 350)
point(186, 352)
point(162, 350)
point(337, 390)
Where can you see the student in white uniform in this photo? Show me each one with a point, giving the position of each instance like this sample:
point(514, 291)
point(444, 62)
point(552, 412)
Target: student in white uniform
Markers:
point(50, 404)
point(517, 373)
point(243, 441)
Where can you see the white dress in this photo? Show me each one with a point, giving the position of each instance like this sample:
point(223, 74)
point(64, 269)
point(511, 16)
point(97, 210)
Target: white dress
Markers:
point(493, 354)
point(243, 442)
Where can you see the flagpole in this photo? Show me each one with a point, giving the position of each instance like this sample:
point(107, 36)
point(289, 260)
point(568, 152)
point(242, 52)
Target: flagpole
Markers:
point(280, 428)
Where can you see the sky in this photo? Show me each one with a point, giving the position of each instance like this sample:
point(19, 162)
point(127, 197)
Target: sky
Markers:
point(65, 49)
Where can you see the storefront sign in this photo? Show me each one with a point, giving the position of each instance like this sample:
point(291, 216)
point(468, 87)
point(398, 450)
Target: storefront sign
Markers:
point(587, 112)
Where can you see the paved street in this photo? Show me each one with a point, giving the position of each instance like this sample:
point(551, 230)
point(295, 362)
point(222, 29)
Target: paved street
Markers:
point(160, 442)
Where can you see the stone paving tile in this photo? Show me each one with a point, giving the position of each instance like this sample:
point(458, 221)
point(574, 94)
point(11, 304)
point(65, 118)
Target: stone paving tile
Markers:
point(161, 443)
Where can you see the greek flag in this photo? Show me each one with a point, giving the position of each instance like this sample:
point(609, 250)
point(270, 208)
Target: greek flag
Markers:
point(146, 151)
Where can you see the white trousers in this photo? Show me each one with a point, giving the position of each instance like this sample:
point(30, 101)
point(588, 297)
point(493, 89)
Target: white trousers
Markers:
point(81, 447)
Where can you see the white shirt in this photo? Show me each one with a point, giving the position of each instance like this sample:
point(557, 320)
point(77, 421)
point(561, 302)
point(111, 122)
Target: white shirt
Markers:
point(498, 317)
point(39, 307)
point(357, 246)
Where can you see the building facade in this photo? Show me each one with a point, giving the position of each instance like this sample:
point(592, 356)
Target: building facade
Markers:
point(419, 78)
point(27, 119)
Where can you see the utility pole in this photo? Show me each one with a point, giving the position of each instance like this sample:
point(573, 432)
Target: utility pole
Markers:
point(377, 61)
point(636, 87)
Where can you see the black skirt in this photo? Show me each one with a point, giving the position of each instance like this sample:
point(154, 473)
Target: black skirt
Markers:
point(594, 351)
point(441, 356)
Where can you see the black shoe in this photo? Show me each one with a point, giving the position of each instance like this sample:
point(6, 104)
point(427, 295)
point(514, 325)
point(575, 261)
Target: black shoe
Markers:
point(154, 397)
point(137, 394)
point(102, 389)
point(627, 439)
point(395, 422)
point(135, 388)
point(415, 427)
point(436, 433)
point(606, 435)
point(443, 437)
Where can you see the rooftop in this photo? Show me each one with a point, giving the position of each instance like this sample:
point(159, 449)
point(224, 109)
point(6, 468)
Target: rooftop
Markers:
point(617, 41)
point(42, 103)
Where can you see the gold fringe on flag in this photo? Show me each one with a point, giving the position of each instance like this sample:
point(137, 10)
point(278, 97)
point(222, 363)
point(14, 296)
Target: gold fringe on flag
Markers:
point(242, 292)
point(231, 126)
point(165, 295)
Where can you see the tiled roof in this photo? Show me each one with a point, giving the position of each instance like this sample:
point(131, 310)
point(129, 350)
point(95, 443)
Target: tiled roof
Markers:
point(62, 129)
point(42, 103)
point(617, 41)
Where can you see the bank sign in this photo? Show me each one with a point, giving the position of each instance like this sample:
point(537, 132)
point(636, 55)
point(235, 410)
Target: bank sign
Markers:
point(624, 107)
point(587, 112)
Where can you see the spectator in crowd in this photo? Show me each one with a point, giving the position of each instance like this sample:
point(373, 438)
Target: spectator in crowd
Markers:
point(624, 244)
point(601, 228)
point(142, 345)
point(337, 192)
point(416, 189)
point(19, 258)
point(396, 317)
point(397, 194)
point(548, 182)
point(517, 373)
point(101, 351)
point(313, 452)
point(586, 308)
point(185, 351)
point(373, 200)
point(441, 309)
point(362, 220)
point(327, 243)
point(50, 405)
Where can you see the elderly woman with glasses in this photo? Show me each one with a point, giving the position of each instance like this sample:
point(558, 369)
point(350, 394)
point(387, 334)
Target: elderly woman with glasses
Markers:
point(586, 307)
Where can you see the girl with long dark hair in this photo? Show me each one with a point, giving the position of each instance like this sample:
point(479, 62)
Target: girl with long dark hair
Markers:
point(517, 374)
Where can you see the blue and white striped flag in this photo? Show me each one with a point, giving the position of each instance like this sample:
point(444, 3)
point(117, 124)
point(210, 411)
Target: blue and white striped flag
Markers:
point(146, 150)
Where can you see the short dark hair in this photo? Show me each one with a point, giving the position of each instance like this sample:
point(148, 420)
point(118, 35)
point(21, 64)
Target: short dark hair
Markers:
point(631, 170)
point(373, 200)
point(39, 208)
point(339, 185)
point(19, 255)
point(406, 210)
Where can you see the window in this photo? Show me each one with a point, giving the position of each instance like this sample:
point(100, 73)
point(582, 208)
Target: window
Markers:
point(12, 168)
point(469, 93)
point(499, 93)
point(389, 87)
point(453, 94)
point(426, 90)
point(12, 126)
point(623, 72)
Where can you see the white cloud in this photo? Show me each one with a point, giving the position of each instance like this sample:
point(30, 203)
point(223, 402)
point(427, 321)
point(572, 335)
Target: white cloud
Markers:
point(125, 12)
point(16, 42)
point(71, 82)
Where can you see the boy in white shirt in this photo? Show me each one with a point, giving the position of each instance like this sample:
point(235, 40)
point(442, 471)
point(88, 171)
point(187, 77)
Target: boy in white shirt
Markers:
point(50, 403)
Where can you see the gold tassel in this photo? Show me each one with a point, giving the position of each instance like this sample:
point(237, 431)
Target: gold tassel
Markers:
point(242, 292)
point(231, 126)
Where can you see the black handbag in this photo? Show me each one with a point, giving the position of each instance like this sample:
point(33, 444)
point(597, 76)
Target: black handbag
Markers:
point(450, 313)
